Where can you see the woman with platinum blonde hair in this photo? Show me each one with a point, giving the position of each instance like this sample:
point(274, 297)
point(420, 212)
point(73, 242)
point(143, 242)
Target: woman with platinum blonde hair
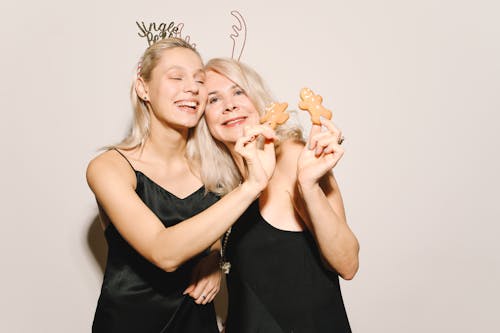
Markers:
point(162, 226)
point(218, 170)
point(285, 253)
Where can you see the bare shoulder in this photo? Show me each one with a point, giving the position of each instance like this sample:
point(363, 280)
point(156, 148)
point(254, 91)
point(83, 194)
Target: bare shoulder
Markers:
point(109, 166)
point(290, 148)
point(288, 154)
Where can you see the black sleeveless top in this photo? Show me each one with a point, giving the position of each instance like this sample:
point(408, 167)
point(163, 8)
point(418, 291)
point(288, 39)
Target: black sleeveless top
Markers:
point(277, 282)
point(139, 297)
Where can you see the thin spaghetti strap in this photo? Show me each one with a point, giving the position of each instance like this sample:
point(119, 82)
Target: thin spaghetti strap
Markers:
point(126, 159)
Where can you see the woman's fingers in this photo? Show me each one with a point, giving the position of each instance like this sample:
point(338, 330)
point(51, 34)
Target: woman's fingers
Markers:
point(189, 289)
point(335, 156)
point(250, 135)
point(265, 130)
point(331, 127)
point(242, 142)
point(201, 292)
point(330, 160)
point(326, 145)
point(337, 153)
point(325, 142)
point(315, 131)
point(210, 296)
point(207, 295)
point(320, 140)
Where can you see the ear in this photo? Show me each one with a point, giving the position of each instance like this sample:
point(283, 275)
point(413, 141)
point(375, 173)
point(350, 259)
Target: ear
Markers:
point(141, 89)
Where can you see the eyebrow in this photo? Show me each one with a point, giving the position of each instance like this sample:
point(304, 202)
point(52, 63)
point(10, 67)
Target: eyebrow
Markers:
point(175, 67)
point(232, 88)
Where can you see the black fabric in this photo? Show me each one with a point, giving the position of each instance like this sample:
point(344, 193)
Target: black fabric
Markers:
point(137, 296)
point(278, 283)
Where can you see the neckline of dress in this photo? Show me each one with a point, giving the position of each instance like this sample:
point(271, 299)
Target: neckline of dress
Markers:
point(167, 191)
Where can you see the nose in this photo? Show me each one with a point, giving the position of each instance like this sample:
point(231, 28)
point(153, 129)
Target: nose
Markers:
point(229, 104)
point(191, 86)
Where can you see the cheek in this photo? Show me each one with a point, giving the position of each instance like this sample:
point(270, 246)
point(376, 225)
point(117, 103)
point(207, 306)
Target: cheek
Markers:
point(254, 118)
point(209, 116)
point(210, 120)
point(203, 93)
point(253, 114)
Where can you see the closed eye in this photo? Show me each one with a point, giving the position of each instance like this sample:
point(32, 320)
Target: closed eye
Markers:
point(200, 78)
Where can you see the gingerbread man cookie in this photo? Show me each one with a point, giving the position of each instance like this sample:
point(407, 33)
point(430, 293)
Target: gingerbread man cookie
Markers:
point(312, 103)
point(275, 114)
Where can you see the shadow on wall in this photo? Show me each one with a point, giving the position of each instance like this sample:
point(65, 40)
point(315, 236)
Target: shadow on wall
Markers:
point(97, 242)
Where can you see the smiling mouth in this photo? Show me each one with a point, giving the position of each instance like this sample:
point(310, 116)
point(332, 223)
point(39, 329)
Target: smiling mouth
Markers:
point(234, 121)
point(188, 106)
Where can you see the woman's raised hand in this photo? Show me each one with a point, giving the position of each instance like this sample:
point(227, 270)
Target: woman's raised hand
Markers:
point(260, 161)
point(321, 154)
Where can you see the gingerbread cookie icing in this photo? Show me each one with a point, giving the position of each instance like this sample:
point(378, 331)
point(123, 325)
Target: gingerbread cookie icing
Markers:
point(275, 114)
point(312, 103)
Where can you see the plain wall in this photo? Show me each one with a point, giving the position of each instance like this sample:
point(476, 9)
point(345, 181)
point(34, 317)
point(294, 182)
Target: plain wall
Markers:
point(414, 85)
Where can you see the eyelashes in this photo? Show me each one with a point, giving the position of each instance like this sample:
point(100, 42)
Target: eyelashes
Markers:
point(179, 77)
point(216, 97)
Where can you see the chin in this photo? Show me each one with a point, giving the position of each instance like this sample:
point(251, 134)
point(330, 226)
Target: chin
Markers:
point(191, 124)
point(191, 120)
point(232, 137)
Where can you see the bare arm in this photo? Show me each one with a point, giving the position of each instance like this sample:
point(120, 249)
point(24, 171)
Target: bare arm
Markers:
point(318, 201)
point(113, 183)
point(337, 243)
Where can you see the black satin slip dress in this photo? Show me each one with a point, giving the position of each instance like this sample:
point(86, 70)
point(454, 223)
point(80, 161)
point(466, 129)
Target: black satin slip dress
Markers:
point(139, 297)
point(278, 283)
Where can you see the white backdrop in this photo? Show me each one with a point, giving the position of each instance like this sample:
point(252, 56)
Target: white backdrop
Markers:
point(413, 84)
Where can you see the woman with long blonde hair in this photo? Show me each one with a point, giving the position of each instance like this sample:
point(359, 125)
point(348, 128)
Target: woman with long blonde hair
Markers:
point(285, 253)
point(161, 224)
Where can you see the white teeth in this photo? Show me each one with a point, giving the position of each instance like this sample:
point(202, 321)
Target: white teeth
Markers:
point(187, 103)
